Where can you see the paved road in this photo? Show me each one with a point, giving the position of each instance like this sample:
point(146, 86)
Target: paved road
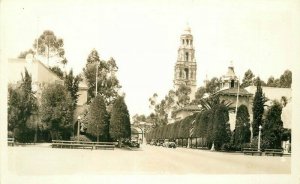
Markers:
point(43, 160)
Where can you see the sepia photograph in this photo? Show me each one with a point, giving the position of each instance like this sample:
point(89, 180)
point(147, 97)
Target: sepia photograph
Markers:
point(131, 91)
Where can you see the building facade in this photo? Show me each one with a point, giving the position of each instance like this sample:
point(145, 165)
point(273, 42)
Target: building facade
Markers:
point(230, 91)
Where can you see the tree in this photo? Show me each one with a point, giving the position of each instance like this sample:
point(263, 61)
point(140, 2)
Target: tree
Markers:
point(199, 94)
point(220, 125)
point(258, 108)
point(242, 127)
point(57, 71)
point(286, 79)
point(57, 111)
point(262, 83)
point(22, 105)
point(71, 83)
point(49, 46)
point(98, 119)
point(120, 121)
point(201, 127)
point(138, 118)
point(248, 79)
point(23, 55)
point(271, 82)
point(217, 128)
point(93, 57)
point(182, 94)
point(273, 126)
point(107, 82)
point(213, 85)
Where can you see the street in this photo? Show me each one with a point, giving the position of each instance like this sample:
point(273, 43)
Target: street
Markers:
point(44, 160)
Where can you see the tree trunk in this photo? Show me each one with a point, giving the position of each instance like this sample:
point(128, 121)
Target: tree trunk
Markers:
point(213, 147)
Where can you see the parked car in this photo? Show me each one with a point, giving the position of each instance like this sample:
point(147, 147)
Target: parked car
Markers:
point(159, 143)
point(134, 144)
point(131, 143)
point(165, 144)
point(171, 145)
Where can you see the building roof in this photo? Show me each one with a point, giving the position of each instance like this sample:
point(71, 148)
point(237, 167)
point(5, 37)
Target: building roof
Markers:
point(230, 72)
point(192, 108)
point(272, 93)
point(39, 72)
point(233, 91)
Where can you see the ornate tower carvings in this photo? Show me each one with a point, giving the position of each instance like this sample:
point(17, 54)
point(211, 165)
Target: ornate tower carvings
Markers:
point(186, 67)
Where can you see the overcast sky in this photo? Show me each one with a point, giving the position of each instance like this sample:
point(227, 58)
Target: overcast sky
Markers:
point(143, 37)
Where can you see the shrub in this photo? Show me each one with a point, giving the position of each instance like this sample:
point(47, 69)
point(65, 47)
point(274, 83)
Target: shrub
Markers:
point(263, 143)
point(10, 134)
point(81, 138)
point(230, 147)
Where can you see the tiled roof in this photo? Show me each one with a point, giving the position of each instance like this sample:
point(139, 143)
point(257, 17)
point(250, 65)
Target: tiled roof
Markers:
point(234, 91)
point(189, 108)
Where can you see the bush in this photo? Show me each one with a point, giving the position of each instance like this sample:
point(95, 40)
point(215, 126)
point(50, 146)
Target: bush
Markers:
point(264, 144)
point(24, 135)
point(81, 138)
point(10, 134)
point(230, 147)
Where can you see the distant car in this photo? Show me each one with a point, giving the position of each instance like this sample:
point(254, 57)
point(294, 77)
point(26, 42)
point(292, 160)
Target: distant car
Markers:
point(165, 144)
point(171, 145)
point(159, 143)
point(152, 143)
point(134, 144)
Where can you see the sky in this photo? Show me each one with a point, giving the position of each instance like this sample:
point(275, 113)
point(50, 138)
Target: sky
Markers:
point(143, 37)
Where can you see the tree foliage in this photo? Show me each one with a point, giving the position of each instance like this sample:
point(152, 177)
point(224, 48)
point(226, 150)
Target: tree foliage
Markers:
point(107, 82)
point(273, 126)
point(98, 119)
point(213, 85)
point(22, 104)
point(199, 94)
point(258, 108)
point(120, 120)
point(57, 71)
point(50, 46)
point(23, 55)
point(182, 94)
point(71, 83)
point(242, 132)
point(248, 79)
point(286, 79)
point(258, 80)
point(57, 111)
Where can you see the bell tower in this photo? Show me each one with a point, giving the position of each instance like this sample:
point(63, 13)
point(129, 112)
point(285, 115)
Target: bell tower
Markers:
point(186, 67)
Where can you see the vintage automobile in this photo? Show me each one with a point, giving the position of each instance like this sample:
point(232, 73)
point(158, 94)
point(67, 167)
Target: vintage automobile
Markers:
point(171, 145)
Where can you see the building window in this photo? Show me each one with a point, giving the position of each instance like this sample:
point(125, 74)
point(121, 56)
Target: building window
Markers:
point(186, 56)
point(232, 84)
point(186, 73)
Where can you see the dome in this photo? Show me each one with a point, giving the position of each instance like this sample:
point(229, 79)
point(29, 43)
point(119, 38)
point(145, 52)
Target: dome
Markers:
point(187, 30)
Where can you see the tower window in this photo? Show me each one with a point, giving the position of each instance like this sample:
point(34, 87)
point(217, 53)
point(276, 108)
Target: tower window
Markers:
point(186, 56)
point(182, 42)
point(232, 84)
point(186, 73)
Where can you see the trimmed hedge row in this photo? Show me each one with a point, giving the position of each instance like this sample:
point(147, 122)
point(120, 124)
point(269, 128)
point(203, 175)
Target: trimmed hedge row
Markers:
point(178, 130)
